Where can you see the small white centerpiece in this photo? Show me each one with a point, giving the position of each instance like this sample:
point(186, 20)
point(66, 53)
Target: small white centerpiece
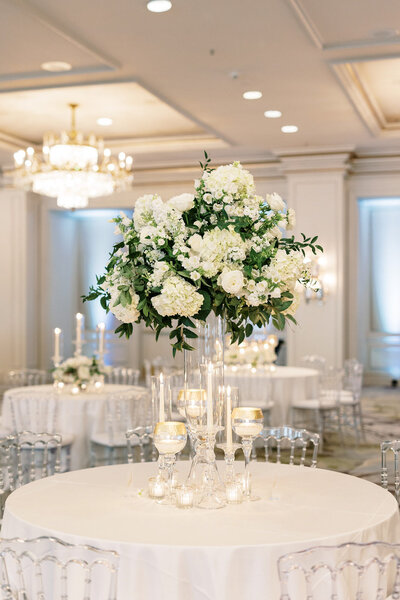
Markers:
point(78, 374)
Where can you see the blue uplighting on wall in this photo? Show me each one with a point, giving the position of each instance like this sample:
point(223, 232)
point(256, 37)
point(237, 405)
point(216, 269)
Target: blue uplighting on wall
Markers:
point(96, 238)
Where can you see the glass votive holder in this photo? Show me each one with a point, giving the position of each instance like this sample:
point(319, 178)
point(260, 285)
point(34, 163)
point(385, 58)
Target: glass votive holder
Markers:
point(184, 496)
point(241, 480)
point(234, 492)
point(156, 487)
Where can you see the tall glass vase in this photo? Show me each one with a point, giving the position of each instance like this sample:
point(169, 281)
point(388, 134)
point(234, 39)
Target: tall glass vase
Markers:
point(203, 389)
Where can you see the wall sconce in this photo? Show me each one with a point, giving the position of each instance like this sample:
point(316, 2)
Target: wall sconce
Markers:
point(315, 289)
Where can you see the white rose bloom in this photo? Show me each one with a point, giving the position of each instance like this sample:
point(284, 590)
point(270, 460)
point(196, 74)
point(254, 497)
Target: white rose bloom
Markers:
point(83, 373)
point(291, 218)
point(195, 242)
point(127, 314)
point(232, 281)
point(178, 297)
point(218, 207)
point(283, 223)
point(182, 202)
point(275, 202)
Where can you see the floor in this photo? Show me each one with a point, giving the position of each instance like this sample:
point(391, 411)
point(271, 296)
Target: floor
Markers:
point(381, 413)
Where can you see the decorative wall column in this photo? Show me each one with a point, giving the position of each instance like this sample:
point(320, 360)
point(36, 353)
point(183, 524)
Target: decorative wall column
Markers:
point(316, 190)
point(19, 264)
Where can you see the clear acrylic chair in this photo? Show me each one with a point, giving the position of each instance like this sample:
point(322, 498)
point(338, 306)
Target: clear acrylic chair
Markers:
point(39, 411)
point(350, 397)
point(350, 571)
point(123, 411)
point(123, 375)
point(293, 439)
point(323, 412)
point(47, 568)
point(24, 377)
point(392, 446)
point(313, 361)
point(33, 456)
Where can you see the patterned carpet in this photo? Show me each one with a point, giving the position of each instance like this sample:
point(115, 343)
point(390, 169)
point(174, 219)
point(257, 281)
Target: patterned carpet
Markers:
point(381, 413)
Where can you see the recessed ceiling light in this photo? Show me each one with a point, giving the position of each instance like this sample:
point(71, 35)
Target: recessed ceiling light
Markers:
point(289, 129)
point(272, 114)
point(56, 65)
point(104, 121)
point(252, 95)
point(159, 6)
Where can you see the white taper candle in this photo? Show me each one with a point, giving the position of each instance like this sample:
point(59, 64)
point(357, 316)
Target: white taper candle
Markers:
point(229, 417)
point(57, 352)
point(101, 329)
point(162, 409)
point(210, 396)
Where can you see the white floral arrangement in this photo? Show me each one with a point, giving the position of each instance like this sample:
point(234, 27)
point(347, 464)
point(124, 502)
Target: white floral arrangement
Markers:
point(255, 354)
point(221, 249)
point(79, 371)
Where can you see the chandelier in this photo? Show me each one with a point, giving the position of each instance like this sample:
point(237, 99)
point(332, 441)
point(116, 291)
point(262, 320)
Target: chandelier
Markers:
point(72, 168)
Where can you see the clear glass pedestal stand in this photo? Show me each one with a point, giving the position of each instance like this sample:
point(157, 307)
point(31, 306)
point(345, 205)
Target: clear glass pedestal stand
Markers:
point(204, 475)
point(229, 457)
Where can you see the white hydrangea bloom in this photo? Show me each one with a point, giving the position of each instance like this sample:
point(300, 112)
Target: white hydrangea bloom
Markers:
point(232, 180)
point(178, 297)
point(217, 243)
point(285, 268)
point(127, 314)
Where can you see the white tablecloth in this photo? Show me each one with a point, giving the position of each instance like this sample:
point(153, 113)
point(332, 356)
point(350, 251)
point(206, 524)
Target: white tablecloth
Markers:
point(80, 415)
point(286, 384)
point(227, 554)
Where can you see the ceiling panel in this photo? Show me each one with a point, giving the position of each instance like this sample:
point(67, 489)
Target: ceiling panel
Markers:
point(29, 39)
point(342, 22)
point(135, 112)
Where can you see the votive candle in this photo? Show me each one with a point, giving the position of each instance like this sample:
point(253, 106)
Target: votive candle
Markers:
point(156, 487)
point(184, 496)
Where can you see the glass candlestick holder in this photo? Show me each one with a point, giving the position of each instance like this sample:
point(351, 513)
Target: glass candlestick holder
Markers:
point(204, 476)
point(169, 438)
point(229, 451)
point(247, 423)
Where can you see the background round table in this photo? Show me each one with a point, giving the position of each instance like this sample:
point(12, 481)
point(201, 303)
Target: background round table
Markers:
point(79, 415)
point(227, 554)
point(285, 384)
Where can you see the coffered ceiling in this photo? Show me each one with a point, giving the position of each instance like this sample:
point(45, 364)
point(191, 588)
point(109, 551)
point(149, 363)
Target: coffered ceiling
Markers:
point(173, 82)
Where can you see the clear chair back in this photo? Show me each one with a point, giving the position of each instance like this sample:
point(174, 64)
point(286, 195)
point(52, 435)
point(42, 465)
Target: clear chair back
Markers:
point(35, 411)
point(141, 433)
point(33, 456)
point(353, 377)
point(291, 440)
point(391, 446)
point(123, 376)
point(330, 386)
point(24, 377)
point(126, 410)
point(313, 361)
point(349, 571)
point(47, 568)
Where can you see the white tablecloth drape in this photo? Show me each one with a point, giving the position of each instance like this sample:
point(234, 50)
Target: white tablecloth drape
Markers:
point(80, 415)
point(283, 386)
point(228, 554)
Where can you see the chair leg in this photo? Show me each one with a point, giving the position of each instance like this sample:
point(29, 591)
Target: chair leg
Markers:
point(355, 423)
point(320, 427)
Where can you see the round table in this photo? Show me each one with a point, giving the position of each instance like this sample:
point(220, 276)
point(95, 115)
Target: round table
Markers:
point(284, 385)
point(227, 554)
point(79, 415)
